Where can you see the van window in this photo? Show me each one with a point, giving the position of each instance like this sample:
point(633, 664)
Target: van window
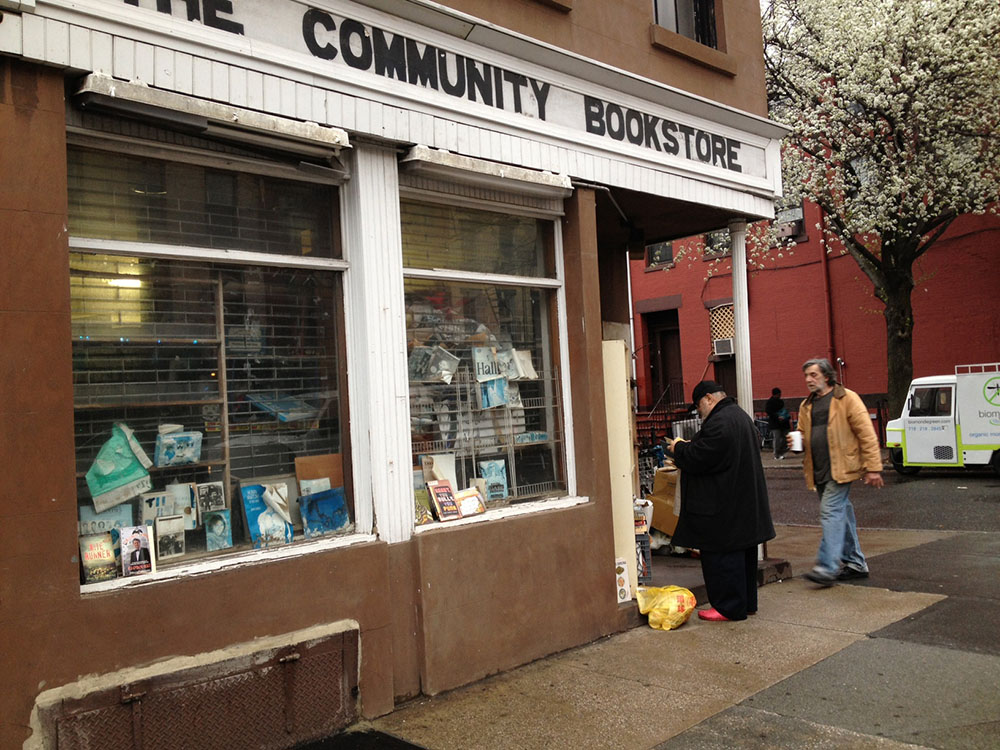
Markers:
point(931, 402)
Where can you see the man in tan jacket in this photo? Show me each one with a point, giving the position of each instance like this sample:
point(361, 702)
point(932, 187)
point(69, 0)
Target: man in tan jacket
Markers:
point(839, 446)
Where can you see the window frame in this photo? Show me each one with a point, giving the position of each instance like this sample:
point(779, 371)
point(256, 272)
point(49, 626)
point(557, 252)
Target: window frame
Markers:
point(556, 285)
point(206, 255)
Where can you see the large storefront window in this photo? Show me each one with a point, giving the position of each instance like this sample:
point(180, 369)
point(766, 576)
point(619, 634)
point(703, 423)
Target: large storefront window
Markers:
point(485, 394)
point(207, 395)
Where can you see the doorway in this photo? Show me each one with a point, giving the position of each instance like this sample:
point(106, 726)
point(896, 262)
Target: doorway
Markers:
point(665, 374)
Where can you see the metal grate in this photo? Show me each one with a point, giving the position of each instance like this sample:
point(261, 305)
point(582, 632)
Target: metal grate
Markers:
point(278, 699)
point(944, 453)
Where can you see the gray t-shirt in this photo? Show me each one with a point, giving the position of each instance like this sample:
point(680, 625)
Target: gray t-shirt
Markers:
point(818, 444)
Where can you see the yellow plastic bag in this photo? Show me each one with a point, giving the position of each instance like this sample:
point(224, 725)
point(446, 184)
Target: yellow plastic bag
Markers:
point(668, 607)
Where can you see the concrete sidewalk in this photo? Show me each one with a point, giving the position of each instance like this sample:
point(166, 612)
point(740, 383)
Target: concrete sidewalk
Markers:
point(642, 687)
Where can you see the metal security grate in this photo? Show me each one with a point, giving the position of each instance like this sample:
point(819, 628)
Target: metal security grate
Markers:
point(944, 453)
point(279, 699)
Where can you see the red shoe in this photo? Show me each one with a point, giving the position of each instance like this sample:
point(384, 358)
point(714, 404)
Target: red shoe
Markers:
point(712, 614)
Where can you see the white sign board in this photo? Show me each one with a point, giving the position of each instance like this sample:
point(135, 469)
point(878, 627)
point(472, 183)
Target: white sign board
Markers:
point(346, 43)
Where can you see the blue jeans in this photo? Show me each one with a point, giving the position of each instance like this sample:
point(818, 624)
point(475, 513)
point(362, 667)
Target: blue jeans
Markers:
point(839, 545)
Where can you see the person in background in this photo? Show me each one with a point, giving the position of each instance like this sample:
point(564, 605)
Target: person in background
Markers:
point(777, 422)
point(839, 446)
point(725, 511)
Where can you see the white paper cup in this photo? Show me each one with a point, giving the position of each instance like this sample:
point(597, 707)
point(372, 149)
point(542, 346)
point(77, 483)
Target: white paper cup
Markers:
point(796, 437)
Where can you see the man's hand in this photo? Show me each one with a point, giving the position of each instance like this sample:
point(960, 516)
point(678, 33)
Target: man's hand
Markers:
point(873, 479)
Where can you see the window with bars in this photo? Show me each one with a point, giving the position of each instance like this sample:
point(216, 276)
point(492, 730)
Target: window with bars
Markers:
point(694, 19)
point(226, 377)
point(485, 392)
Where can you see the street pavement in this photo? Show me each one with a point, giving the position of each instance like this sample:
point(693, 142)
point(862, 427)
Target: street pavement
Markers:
point(908, 658)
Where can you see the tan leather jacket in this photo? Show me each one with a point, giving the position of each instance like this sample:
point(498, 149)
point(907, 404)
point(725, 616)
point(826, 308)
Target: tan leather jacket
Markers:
point(854, 448)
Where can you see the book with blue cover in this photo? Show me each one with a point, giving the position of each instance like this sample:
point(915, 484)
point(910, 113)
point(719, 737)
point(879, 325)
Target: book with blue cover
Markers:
point(264, 525)
point(324, 512)
point(285, 407)
point(494, 471)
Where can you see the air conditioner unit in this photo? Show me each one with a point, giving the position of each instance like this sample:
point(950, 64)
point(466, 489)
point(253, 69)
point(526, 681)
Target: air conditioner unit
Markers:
point(722, 347)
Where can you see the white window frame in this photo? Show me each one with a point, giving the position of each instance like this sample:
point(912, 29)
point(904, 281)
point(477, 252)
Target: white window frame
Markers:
point(363, 520)
point(557, 284)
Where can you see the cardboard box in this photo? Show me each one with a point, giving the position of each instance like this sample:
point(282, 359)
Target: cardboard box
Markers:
point(665, 499)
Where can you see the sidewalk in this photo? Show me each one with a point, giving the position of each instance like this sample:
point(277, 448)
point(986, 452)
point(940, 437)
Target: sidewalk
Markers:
point(639, 688)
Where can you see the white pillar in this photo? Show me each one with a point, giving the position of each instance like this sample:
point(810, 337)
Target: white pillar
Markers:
point(741, 314)
point(376, 344)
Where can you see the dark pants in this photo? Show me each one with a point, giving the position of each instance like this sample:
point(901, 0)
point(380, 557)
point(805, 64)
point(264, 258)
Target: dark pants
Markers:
point(731, 581)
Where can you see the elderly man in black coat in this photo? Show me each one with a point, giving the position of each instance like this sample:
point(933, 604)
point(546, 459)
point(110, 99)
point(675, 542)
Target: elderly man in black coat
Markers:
point(725, 513)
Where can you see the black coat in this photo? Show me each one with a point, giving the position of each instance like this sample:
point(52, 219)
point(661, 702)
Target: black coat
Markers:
point(724, 504)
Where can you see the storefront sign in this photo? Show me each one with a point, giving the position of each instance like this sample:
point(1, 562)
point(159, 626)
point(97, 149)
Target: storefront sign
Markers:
point(346, 42)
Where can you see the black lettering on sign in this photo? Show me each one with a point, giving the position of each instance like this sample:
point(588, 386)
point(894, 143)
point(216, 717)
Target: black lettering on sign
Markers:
point(390, 59)
point(458, 87)
point(541, 95)
point(362, 58)
point(421, 68)
point(594, 112)
point(310, 20)
point(210, 10)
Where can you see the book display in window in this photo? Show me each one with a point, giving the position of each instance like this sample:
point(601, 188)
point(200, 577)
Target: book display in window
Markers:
point(97, 557)
point(136, 553)
point(190, 379)
point(503, 401)
point(324, 512)
point(265, 526)
point(443, 498)
point(116, 517)
point(218, 530)
point(169, 537)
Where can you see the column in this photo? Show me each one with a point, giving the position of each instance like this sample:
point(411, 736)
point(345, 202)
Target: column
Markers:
point(741, 313)
point(376, 345)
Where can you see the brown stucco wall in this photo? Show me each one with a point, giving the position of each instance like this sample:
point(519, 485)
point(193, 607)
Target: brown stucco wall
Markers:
point(619, 34)
point(51, 635)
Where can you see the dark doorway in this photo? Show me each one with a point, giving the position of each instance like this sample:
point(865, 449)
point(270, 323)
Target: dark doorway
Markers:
point(725, 375)
point(665, 375)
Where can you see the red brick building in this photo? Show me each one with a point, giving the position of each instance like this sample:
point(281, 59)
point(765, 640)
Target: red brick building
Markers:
point(807, 304)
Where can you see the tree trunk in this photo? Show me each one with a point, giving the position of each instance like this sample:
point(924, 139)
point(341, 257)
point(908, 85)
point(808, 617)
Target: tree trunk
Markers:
point(896, 293)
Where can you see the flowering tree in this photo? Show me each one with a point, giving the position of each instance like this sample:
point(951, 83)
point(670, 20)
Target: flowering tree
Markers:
point(894, 107)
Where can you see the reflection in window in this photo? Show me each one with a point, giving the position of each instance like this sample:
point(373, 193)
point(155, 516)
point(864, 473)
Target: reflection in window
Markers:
point(694, 19)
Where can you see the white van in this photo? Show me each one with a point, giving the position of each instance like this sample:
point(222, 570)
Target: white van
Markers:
point(949, 421)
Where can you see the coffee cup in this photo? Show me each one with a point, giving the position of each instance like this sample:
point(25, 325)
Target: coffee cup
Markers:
point(796, 439)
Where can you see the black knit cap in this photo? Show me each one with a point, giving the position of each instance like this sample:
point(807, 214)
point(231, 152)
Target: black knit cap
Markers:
point(703, 389)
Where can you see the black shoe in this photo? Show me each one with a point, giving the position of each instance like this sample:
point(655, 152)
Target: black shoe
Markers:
point(820, 578)
point(851, 574)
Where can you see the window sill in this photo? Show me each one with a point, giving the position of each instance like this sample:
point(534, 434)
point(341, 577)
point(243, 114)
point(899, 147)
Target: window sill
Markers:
point(498, 513)
point(238, 559)
point(689, 49)
point(659, 267)
point(564, 5)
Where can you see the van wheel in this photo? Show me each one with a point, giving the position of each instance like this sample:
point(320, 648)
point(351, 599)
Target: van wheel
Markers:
point(995, 462)
point(896, 456)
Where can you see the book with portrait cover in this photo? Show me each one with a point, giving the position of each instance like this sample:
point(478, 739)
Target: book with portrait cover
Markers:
point(97, 556)
point(445, 507)
point(135, 550)
point(264, 525)
point(218, 530)
point(112, 518)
